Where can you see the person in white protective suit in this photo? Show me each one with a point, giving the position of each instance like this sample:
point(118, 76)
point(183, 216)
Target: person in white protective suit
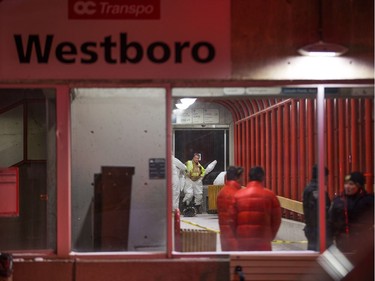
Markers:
point(178, 170)
point(193, 182)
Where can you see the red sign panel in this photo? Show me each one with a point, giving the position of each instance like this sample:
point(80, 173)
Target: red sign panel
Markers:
point(9, 196)
point(115, 39)
point(114, 9)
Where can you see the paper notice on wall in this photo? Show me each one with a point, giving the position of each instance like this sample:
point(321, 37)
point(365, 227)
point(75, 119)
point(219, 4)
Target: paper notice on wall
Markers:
point(211, 116)
point(197, 116)
point(184, 117)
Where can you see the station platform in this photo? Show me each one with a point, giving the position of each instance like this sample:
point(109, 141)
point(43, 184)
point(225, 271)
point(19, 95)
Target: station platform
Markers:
point(290, 236)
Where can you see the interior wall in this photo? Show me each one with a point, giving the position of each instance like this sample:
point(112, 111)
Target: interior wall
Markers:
point(119, 127)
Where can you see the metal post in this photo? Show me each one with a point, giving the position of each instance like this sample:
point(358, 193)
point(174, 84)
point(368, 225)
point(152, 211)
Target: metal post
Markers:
point(321, 174)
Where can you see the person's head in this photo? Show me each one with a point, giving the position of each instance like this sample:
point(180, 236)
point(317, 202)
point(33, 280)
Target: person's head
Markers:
point(315, 172)
point(234, 173)
point(354, 182)
point(256, 174)
point(196, 157)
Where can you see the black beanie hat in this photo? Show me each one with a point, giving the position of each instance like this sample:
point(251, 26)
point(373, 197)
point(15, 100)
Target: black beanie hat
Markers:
point(315, 171)
point(356, 177)
point(234, 172)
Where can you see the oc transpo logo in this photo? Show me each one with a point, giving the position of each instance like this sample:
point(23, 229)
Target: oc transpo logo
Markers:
point(84, 8)
point(114, 9)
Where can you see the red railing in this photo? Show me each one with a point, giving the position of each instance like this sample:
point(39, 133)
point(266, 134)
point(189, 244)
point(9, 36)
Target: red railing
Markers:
point(283, 139)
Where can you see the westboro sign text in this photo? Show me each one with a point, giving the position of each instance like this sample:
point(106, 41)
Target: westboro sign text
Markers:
point(111, 50)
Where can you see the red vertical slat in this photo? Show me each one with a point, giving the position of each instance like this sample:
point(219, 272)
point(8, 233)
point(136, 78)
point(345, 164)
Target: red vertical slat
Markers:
point(310, 136)
point(293, 150)
point(330, 147)
point(267, 116)
point(347, 162)
point(354, 141)
point(240, 144)
point(257, 146)
point(287, 133)
point(252, 142)
point(235, 142)
point(274, 138)
point(341, 142)
point(244, 146)
point(262, 136)
point(369, 147)
point(302, 145)
point(280, 159)
point(247, 142)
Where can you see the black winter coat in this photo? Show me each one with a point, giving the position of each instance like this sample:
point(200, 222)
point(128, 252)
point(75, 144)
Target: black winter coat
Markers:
point(350, 217)
point(311, 214)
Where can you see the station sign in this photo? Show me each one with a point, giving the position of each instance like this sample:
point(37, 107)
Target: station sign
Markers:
point(114, 39)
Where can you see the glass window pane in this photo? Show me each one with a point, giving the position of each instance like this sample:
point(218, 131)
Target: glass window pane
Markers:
point(11, 128)
point(118, 169)
point(34, 227)
point(350, 164)
point(36, 133)
point(247, 127)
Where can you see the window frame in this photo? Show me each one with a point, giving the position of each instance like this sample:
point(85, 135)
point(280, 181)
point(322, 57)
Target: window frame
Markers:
point(63, 176)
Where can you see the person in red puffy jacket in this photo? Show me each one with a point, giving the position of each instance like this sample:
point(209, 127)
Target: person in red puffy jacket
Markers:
point(225, 200)
point(256, 214)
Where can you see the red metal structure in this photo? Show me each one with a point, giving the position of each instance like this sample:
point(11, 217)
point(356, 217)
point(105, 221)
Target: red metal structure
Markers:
point(280, 135)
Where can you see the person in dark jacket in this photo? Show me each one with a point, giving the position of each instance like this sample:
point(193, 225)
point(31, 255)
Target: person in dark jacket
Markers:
point(311, 212)
point(256, 214)
point(352, 213)
point(224, 201)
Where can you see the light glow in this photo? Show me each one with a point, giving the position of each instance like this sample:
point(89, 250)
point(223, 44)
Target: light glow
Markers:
point(323, 49)
point(188, 101)
point(182, 106)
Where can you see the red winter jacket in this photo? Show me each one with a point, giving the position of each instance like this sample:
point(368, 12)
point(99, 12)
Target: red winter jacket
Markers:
point(225, 199)
point(256, 216)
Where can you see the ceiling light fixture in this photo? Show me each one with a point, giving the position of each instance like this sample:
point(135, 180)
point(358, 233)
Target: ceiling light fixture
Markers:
point(188, 101)
point(321, 48)
point(182, 106)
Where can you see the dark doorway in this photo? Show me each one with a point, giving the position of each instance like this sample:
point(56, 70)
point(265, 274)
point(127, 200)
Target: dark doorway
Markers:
point(211, 143)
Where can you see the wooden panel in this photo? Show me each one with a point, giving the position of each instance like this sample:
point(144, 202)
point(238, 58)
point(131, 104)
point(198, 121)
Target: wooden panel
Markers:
point(196, 240)
point(291, 205)
point(112, 208)
point(213, 191)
